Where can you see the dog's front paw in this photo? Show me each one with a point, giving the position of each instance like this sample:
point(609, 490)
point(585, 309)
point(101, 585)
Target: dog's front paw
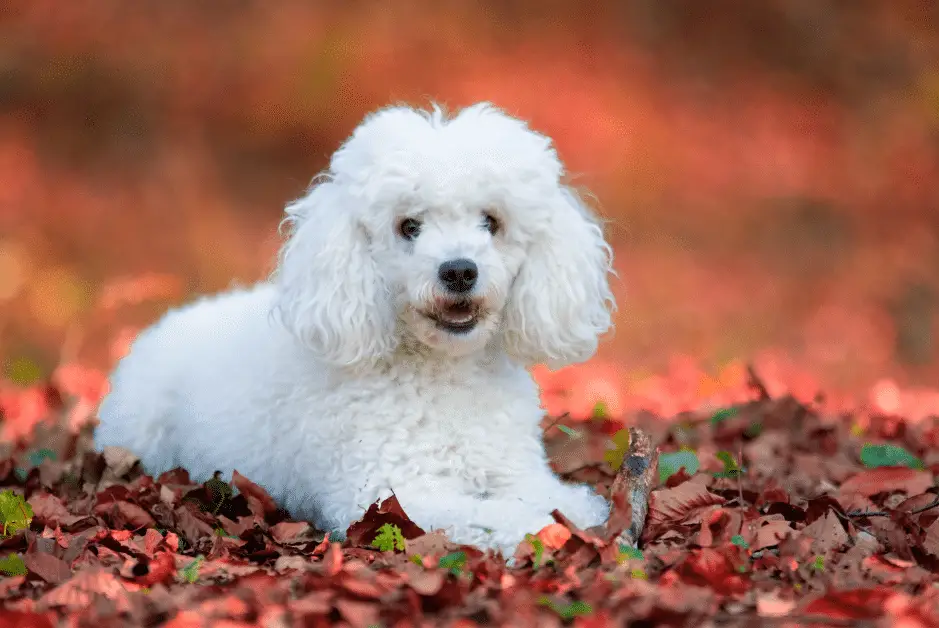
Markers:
point(583, 506)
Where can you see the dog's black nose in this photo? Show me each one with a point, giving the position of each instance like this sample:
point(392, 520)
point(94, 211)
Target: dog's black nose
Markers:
point(458, 275)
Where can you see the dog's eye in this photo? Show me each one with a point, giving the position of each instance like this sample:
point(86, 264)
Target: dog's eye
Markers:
point(490, 223)
point(409, 228)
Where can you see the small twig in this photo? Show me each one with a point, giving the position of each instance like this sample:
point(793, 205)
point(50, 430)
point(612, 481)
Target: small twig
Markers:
point(635, 480)
point(556, 421)
point(754, 382)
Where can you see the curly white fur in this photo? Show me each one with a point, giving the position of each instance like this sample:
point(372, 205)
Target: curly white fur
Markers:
point(331, 387)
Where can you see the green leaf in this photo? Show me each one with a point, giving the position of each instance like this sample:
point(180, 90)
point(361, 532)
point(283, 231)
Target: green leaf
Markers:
point(568, 612)
point(739, 542)
point(36, 458)
point(722, 415)
point(569, 431)
point(627, 552)
point(753, 430)
point(218, 490)
point(13, 565)
point(639, 574)
point(454, 562)
point(819, 563)
point(888, 456)
point(15, 513)
point(389, 538)
point(616, 455)
point(599, 411)
point(190, 573)
point(417, 559)
point(672, 462)
point(23, 371)
point(538, 546)
point(731, 468)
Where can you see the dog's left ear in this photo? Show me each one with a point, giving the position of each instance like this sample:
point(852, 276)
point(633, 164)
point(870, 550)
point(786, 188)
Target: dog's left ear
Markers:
point(331, 293)
point(561, 301)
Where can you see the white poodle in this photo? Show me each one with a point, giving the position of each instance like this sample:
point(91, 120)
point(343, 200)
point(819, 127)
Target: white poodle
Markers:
point(432, 262)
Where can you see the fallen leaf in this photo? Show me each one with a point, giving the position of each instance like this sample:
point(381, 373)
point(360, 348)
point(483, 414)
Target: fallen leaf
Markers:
point(887, 480)
point(554, 535)
point(857, 604)
point(48, 567)
point(250, 490)
point(674, 505)
point(827, 533)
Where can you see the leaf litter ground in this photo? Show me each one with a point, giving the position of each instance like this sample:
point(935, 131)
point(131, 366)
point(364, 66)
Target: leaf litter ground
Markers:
point(770, 512)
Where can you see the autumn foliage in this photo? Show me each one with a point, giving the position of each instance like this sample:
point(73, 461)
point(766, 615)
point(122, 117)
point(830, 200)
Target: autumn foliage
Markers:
point(765, 508)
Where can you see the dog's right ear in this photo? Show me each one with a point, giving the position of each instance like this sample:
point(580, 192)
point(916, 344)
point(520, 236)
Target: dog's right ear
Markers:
point(331, 294)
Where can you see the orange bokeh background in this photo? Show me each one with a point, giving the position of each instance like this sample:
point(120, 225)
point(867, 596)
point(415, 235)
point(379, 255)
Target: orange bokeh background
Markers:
point(770, 170)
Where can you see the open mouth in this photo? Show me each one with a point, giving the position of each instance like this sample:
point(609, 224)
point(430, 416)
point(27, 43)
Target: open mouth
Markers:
point(457, 317)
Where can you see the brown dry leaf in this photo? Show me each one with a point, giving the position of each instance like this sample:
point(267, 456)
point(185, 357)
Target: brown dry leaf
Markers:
point(50, 568)
point(931, 541)
point(119, 460)
point(826, 533)
point(48, 509)
point(358, 614)
point(432, 544)
point(191, 526)
point(771, 534)
point(79, 591)
point(888, 479)
point(674, 505)
point(125, 514)
point(292, 532)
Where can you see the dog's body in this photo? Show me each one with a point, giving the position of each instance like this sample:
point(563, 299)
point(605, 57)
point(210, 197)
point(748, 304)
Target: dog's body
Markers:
point(389, 352)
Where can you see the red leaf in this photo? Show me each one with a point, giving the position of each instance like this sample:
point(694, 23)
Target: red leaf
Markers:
point(887, 480)
point(159, 570)
point(24, 619)
point(362, 532)
point(251, 490)
point(855, 604)
point(712, 568)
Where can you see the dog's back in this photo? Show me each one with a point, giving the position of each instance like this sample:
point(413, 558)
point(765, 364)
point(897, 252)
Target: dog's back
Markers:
point(154, 405)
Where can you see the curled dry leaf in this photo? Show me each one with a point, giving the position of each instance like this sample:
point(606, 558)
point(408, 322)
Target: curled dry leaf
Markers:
point(263, 503)
point(675, 505)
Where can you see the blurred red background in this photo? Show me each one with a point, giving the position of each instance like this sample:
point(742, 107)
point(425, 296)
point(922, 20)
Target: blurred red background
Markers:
point(770, 168)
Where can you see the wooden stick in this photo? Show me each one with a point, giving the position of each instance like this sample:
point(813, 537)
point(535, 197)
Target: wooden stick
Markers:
point(634, 481)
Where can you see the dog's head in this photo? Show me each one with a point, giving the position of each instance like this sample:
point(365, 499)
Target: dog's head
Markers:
point(452, 233)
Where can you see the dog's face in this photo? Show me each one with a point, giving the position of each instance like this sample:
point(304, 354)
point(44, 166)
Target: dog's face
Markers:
point(450, 269)
point(455, 234)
